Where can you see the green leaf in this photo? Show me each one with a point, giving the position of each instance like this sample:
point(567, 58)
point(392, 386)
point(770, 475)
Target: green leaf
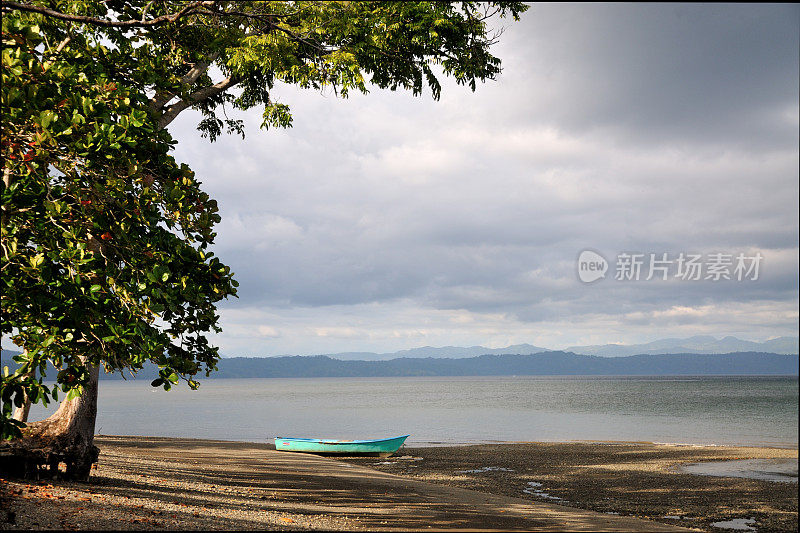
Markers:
point(45, 118)
point(37, 260)
point(74, 393)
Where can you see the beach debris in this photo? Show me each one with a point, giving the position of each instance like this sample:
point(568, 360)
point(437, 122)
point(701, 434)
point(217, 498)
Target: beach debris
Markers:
point(483, 469)
point(740, 524)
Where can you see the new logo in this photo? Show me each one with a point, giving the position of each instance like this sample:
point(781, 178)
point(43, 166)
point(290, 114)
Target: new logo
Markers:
point(591, 266)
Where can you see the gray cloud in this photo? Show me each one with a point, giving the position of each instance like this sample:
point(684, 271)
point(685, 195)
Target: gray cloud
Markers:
point(681, 74)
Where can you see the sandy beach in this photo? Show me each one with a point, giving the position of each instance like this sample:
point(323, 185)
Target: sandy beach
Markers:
point(635, 479)
point(151, 483)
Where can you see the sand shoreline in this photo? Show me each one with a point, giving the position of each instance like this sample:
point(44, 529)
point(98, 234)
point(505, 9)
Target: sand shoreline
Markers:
point(152, 483)
point(631, 478)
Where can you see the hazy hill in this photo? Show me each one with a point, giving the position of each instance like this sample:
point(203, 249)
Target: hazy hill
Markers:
point(444, 351)
point(544, 364)
point(701, 344)
point(698, 344)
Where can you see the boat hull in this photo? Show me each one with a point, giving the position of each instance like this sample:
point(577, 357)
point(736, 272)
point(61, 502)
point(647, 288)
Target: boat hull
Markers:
point(375, 448)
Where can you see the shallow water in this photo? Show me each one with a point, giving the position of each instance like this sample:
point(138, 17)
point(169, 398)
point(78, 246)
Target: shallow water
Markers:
point(740, 524)
point(782, 470)
point(533, 488)
point(461, 410)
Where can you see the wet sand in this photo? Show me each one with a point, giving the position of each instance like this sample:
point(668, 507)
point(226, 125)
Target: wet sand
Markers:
point(636, 479)
point(150, 483)
point(774, 469)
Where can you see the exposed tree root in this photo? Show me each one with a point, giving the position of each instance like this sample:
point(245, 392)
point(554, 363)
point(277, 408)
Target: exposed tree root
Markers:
point(67, 437)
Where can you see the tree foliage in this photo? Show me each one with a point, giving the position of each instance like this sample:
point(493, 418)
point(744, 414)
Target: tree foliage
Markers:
point(105, 237)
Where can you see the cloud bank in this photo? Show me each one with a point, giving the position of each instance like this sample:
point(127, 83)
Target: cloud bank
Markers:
point(384, 222)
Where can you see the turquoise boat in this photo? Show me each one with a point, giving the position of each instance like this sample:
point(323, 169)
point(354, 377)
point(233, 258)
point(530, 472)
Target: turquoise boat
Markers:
point(375, 448)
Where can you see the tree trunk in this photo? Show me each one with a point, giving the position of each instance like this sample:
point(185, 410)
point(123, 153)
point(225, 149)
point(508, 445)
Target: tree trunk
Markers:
point(21, 413)
point(67, 436)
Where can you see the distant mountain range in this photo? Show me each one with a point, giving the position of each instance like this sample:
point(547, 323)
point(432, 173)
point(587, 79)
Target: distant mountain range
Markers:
point(544, 364)
point(701, 355)
point(442, 352)
point(698, 344)
point(701, 344)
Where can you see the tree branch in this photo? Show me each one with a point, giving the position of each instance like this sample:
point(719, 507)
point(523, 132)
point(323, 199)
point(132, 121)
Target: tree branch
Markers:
point(161, 99)
point(198, 96)
point(195, 8)
point(267, 20)
point(146, 8)
point(198, 69)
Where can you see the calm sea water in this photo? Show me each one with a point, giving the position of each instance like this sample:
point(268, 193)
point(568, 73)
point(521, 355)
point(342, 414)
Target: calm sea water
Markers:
point(450, 410)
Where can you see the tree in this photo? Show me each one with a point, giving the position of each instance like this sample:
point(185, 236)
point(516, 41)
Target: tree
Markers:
point(105, 238)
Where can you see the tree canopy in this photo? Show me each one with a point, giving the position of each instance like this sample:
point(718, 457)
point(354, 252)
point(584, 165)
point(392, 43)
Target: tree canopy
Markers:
point(105, 237)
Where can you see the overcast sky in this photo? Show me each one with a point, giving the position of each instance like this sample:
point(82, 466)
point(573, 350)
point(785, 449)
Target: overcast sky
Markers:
point(384, 222)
